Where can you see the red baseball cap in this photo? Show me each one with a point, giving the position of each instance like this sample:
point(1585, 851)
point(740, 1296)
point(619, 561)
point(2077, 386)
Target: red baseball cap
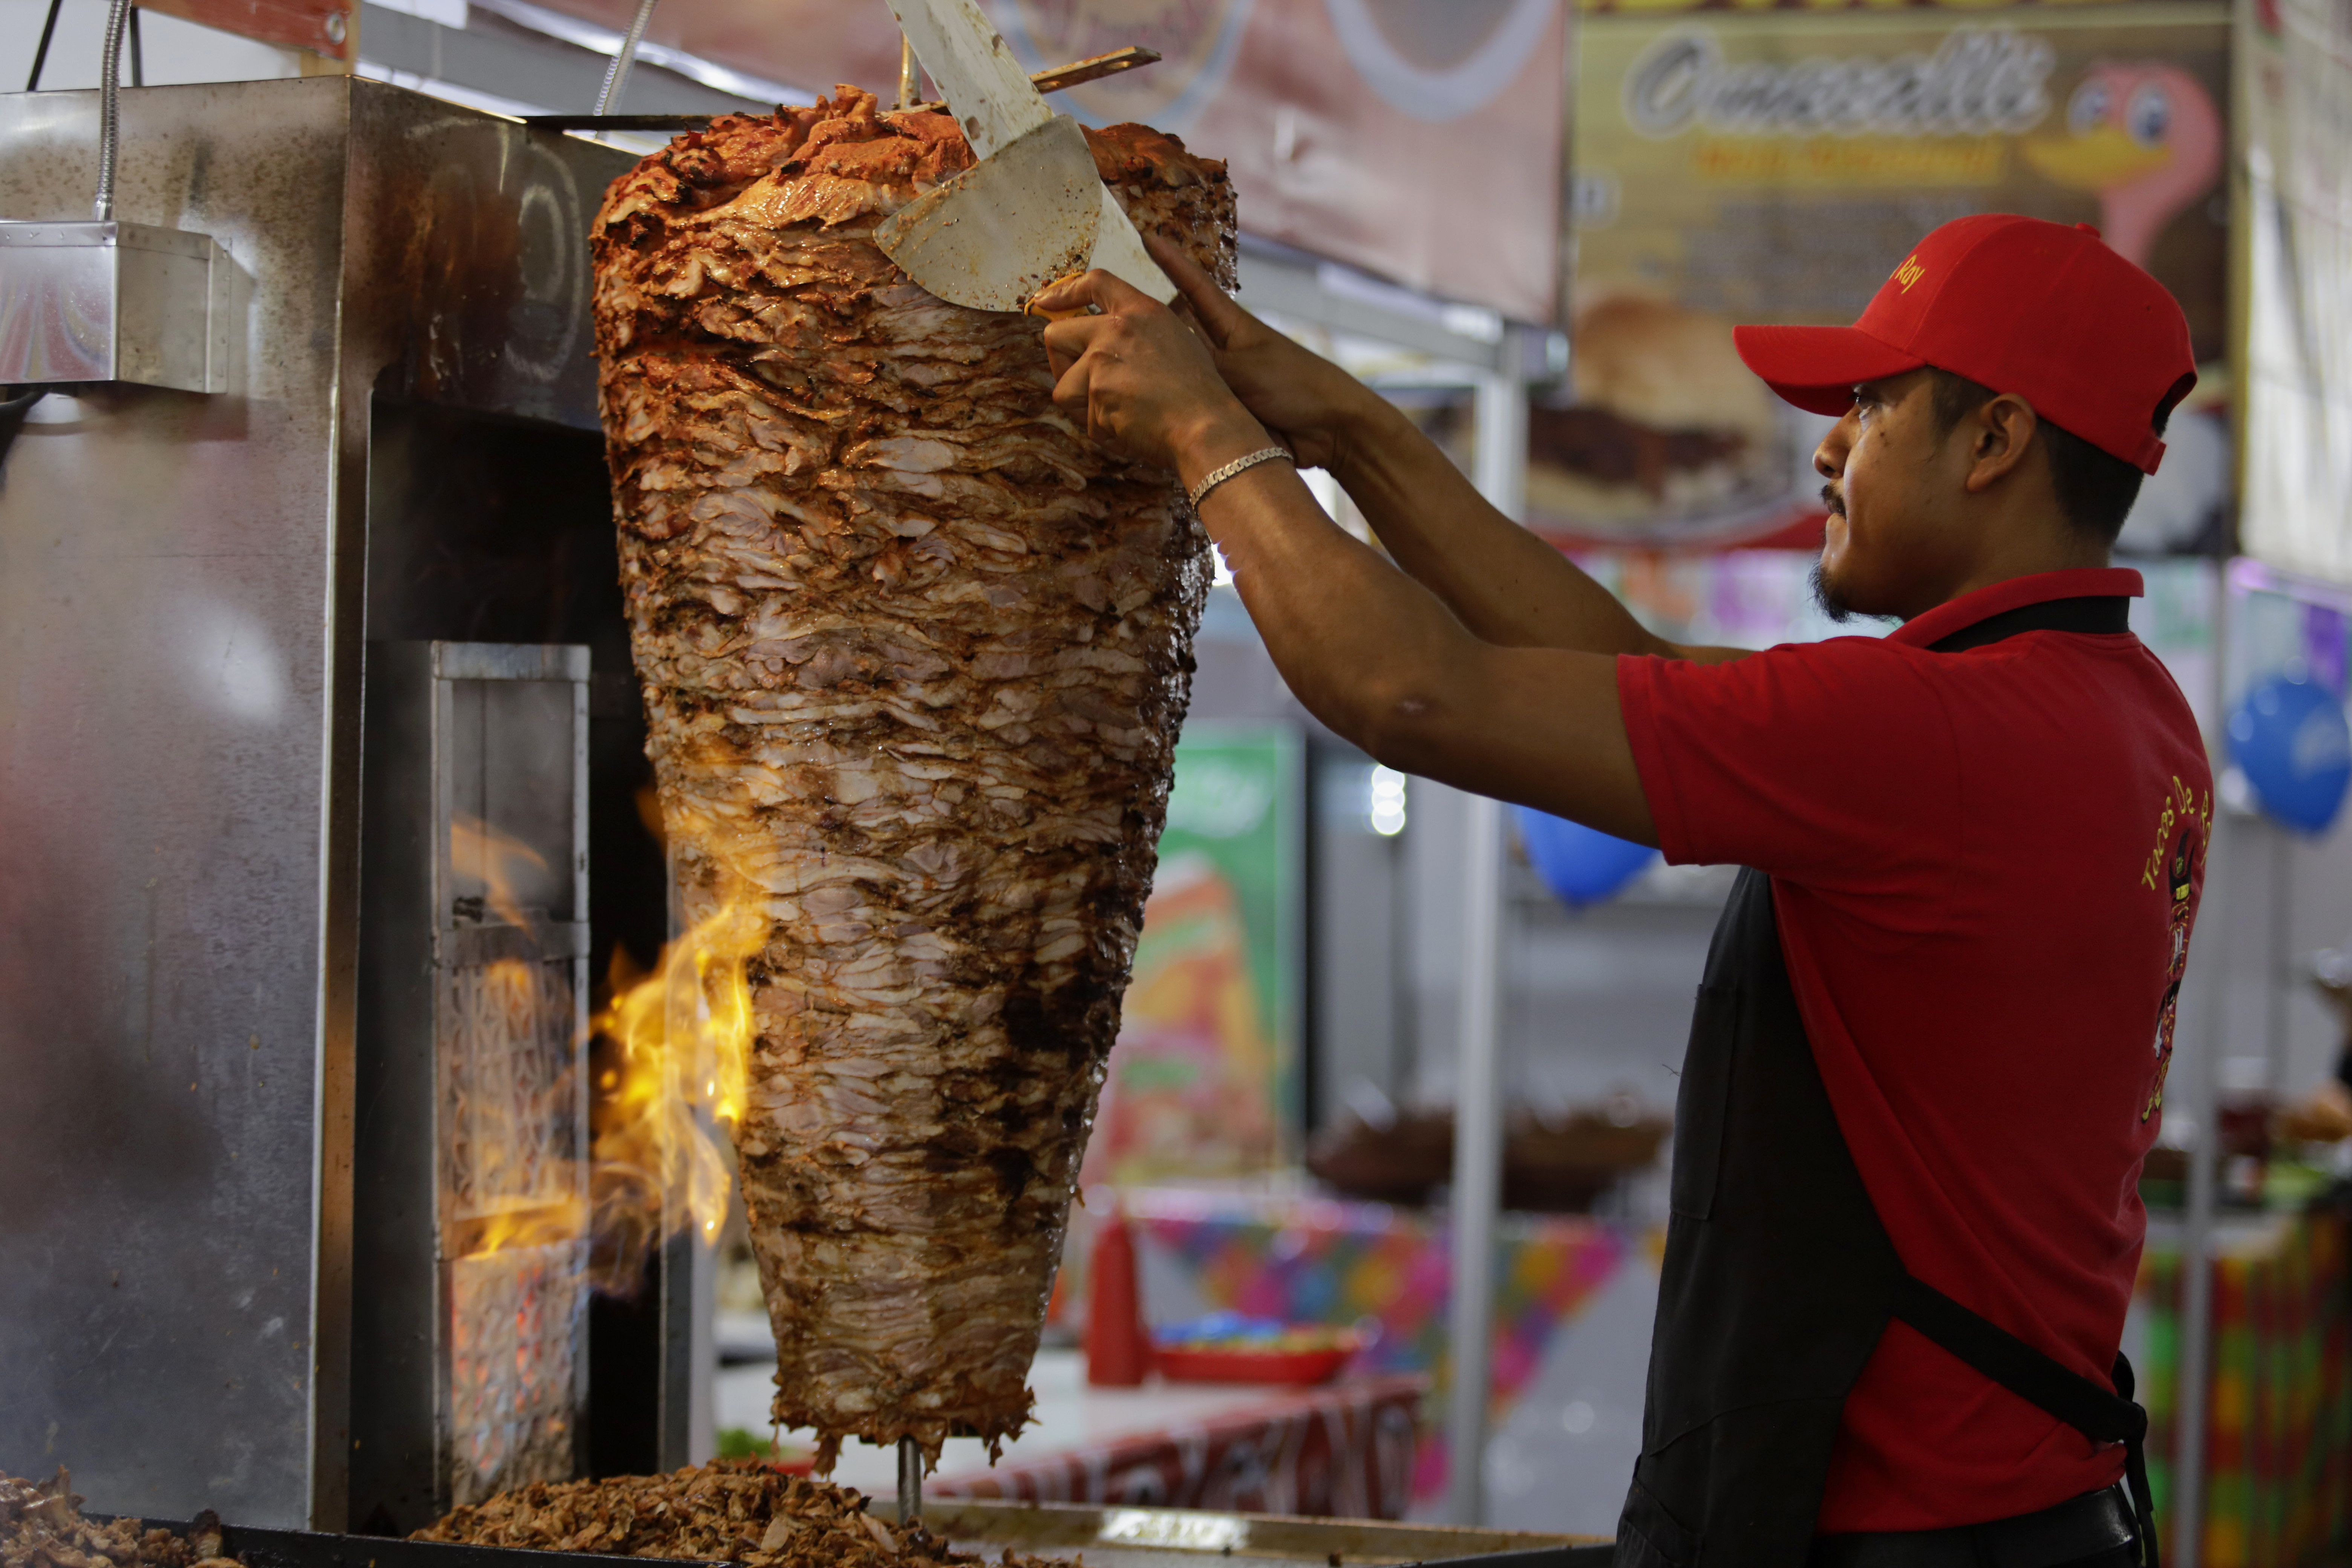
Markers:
point(2038, 310)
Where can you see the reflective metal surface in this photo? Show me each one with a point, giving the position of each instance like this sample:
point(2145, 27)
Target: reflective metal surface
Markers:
point(484, 528)
point(1145, 1537)
point(470, 1366)
point(182, 596)
point(111, 301)
point(469, 277)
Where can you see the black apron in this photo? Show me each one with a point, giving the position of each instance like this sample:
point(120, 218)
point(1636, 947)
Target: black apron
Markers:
point(1778, 1277)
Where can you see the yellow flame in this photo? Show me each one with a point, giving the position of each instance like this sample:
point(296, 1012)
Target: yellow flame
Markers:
point(684, 1037)
point(534, 1225)
point(516, 1087)
point(481, 852)
point(673, 1066)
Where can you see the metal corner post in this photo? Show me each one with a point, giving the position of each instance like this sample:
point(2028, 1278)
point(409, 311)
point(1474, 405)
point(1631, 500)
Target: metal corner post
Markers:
point(1477, 1162)
point(2186, 1548)
point(1501, 477)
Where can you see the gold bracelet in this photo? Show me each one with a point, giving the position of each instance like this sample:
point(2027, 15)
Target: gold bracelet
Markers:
point(1200, 492)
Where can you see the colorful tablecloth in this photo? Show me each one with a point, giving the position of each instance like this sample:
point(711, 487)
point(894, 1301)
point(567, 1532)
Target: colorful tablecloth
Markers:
point(2279, 1444)
point(2278, 1489)
point(1318, 1260)
point(1341, 1451)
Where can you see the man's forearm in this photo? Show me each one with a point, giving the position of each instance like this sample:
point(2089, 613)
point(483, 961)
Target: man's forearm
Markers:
point(1379, 657)
point(1504, 584)
point(1383, 662)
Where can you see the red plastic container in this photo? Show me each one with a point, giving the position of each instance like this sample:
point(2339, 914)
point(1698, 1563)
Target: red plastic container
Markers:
point(1119, 1352)
point(1239, 1365)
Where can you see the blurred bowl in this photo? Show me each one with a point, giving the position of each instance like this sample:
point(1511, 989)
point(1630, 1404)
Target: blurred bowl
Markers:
point(1551, 1164)
point(1226, 1347)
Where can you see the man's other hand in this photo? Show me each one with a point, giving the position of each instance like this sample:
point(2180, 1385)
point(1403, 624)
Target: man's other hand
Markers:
point(1311, 405)
point(1141, 378)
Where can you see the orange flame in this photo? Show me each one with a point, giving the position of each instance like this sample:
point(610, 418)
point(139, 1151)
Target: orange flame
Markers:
point(480, 853)
point(679, 1045)
point(684, 1037)
point(517, 1032)
point(512, 1156)
point(535, 1226)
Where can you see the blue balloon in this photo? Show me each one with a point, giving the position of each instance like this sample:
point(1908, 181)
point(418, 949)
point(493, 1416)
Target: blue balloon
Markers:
point(2290, 739)
point(1580, 865)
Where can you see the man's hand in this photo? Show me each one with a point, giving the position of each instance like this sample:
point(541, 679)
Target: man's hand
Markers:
point(1141, 379)
point(1308, 404)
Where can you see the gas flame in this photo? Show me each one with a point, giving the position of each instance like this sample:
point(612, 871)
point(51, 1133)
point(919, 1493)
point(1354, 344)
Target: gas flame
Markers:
point(538, 1225)
point(676, 1049)
point(683, 1038)
point(513, 1087)
point(481, 853)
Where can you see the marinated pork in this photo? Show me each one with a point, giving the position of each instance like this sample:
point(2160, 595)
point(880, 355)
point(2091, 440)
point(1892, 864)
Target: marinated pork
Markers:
point(740, 1510)
point(914, 655)
point(42, 1526)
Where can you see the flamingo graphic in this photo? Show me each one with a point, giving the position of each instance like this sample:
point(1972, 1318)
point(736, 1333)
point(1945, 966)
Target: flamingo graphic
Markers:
point(2142, 134)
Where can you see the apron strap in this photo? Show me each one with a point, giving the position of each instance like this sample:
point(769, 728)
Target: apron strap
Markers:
point(2101, 1416)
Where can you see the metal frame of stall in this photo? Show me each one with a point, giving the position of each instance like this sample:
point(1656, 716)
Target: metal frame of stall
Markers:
point(1498, 361)
point(192, 587)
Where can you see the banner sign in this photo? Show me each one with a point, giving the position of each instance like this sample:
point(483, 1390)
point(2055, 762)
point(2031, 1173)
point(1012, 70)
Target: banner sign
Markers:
point(1204, 1079)
point(1415, 139)
point(1764, 163)
point(322, 26)
point(2297, 90)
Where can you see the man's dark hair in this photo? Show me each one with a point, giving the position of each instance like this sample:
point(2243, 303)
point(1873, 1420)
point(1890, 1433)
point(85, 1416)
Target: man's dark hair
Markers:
point(2095, 490)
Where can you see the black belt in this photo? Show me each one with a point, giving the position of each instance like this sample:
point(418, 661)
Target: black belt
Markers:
point(2078, 1528)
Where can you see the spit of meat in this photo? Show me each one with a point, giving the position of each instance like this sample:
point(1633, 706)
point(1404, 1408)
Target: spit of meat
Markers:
point(914, 653)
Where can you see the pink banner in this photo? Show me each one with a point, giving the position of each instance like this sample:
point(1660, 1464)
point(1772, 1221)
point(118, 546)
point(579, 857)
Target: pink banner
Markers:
point(1416, 139)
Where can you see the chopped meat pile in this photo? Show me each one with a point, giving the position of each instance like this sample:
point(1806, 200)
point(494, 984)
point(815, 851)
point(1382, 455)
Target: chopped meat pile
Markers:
point(41, 1526)
point(736, 1511)
point(914, 654)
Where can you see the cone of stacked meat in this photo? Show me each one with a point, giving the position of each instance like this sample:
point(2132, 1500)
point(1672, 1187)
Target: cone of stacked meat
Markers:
point(914, 654)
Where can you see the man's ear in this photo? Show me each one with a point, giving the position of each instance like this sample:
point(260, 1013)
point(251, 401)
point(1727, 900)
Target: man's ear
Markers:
point(2000, 432)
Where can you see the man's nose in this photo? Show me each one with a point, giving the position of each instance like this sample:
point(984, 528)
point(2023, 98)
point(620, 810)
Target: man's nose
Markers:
point(1829, 458)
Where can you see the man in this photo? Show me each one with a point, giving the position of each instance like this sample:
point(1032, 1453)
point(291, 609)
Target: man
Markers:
point(1929, 1050)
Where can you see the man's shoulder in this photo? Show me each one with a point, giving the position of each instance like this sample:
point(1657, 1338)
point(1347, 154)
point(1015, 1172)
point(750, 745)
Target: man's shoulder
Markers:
point(1846, 665)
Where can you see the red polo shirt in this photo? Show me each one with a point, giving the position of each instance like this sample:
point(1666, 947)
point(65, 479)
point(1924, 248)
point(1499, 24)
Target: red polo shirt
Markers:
point(1985, 865)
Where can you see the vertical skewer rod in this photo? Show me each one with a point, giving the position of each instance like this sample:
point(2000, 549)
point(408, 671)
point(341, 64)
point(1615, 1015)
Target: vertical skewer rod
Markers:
point(616, 75)
point(911, 1480)
point(906, 72)
point(110, 110)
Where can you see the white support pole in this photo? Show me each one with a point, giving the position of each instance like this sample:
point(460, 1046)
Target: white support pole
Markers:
point(1477, 1161)
point(2216, 920)
point(1499, 456)
point(1500, 473)
point(2195, 1372)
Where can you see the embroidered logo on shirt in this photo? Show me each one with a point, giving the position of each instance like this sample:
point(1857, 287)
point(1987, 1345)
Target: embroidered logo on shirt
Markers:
point(2172, 868)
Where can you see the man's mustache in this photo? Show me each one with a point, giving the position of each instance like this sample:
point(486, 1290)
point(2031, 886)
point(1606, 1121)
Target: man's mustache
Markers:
point(1833, 501)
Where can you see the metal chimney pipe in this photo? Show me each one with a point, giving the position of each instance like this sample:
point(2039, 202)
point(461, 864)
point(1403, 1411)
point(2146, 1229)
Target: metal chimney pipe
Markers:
point(617, 77)
point(109, 110)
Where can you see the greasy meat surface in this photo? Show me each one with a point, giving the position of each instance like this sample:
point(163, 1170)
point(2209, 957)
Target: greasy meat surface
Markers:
point(41, 1526)
point(914, 654)
point(736, 1511)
